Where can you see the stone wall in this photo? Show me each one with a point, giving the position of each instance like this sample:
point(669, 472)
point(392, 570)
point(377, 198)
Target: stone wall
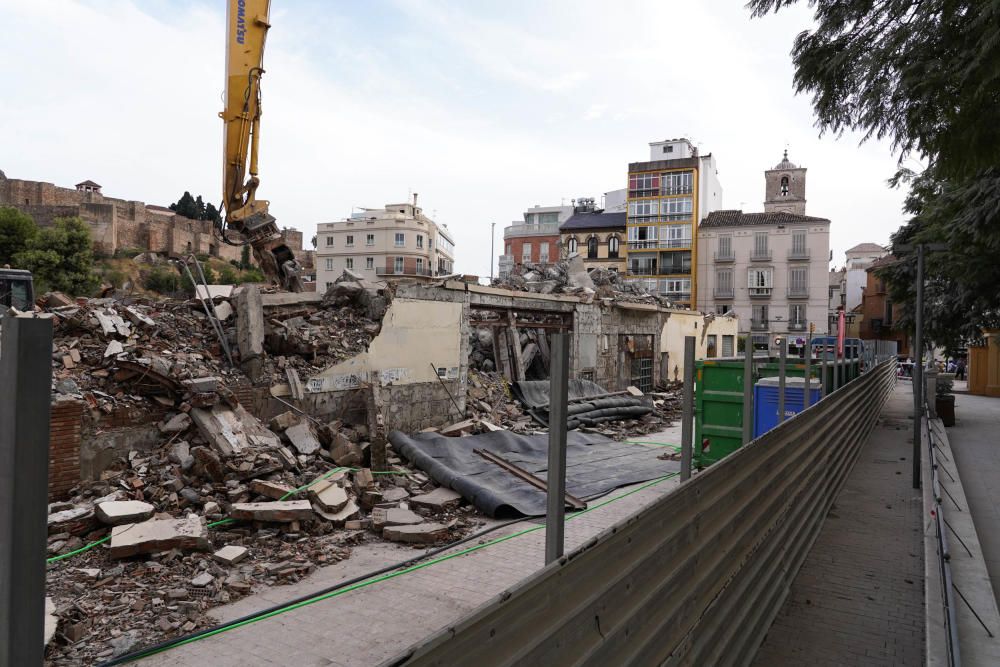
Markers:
point(117, 223)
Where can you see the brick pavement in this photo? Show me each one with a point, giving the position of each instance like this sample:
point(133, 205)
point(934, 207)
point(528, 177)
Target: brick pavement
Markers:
point(373, 624)
point(858, 599)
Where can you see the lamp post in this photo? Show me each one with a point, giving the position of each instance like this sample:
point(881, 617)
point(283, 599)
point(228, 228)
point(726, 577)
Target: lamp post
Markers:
point(493, 235)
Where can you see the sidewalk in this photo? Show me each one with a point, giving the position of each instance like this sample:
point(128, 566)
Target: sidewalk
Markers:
point(859, 598)
point(370, 625)
point(975, 441)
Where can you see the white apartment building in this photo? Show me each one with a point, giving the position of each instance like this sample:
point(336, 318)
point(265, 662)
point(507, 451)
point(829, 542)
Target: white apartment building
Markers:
point(770, 268)
point(397, 241)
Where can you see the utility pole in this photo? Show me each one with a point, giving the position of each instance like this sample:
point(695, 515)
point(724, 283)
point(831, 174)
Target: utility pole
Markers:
point(918, 368)
point(493, 235)
point(555, 478)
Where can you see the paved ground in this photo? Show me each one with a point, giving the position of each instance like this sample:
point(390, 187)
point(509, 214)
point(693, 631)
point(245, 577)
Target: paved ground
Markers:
point(370, 625)
point(975, 441)
point(858, 599)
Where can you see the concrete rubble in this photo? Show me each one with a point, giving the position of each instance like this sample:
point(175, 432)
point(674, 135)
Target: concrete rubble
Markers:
point(570, 277)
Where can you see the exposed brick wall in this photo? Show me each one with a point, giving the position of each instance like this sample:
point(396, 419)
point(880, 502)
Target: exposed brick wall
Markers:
point(517, 247)
point(65, 424)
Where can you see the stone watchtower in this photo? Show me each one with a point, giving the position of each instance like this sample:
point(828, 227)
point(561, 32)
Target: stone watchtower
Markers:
point(785, 188)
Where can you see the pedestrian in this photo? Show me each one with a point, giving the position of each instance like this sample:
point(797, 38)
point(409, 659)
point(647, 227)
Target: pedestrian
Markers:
point(960, 369)
point(951, 365)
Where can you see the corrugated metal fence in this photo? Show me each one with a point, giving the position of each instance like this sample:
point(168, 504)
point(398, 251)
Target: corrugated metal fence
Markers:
point(697, 577)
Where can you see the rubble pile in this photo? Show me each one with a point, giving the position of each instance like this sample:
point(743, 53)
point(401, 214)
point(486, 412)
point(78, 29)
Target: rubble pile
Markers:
point(223, 507)
point(488, 399)
point(570, 277)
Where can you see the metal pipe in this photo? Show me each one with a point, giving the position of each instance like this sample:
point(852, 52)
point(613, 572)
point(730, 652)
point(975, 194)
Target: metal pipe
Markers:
point(748, 389)
point(687, 409)
point(807, 372)
point(556, 473)
point(782, 360)
point(918, 371)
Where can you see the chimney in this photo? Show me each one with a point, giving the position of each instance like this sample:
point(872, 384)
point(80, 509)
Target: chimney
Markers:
point(414, 199)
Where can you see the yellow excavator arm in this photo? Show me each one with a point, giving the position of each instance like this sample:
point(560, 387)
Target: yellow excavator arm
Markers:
point(247, 25)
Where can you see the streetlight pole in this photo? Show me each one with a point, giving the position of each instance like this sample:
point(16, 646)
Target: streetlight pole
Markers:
point(493, 235)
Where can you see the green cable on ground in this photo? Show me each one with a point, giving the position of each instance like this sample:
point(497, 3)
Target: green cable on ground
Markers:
point(78, 551)
point(306, 486)
point(393, 575)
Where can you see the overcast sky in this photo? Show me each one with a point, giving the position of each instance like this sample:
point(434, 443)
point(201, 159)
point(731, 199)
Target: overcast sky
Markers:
point(484, 108)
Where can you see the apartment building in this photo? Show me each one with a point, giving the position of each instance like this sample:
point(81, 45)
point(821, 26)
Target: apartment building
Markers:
point(667, 197)
point(859, 258)
point(770, 268)
point(596, 234)
point(879, 315)
point(397, 241)
point(535, 239)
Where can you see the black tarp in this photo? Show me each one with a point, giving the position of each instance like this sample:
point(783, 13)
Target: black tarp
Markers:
point(595, 465)
point(534, 394)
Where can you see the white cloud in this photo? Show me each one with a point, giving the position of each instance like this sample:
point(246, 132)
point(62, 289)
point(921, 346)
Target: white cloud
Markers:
point(483, 111)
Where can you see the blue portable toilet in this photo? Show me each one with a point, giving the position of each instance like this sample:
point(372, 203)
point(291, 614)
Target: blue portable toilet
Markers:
point(765, 401)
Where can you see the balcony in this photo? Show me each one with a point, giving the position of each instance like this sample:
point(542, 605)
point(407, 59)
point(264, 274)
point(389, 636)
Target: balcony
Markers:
point(642, 271)
point(798, 292)
point(675, 243)
point(760, 256)
point(403, 272)
point(544, 229)
point(643, 245)
point(796, 326)
point(723, 292)
point(758, 325)
point(677, 296)
point(760, 292)
point(798, 254)
point(725, 257)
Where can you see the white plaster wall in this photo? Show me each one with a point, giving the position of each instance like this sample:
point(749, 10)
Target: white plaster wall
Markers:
point(680, 324)
point(415, 334)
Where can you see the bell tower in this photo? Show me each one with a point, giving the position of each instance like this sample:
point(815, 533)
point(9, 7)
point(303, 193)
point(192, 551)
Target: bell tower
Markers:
point(785, 188)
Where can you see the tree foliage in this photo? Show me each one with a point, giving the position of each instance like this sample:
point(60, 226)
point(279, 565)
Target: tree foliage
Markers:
point(925, 75)
point(195, 208)
point(61, 258)
point(16, 230)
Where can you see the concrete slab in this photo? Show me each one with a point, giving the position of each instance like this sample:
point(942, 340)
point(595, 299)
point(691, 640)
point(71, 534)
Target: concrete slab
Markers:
point(155, 535)
point(284, 511)
point(117, 512)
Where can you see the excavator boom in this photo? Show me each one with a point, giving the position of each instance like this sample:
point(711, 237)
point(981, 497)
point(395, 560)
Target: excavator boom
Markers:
point(247, 23)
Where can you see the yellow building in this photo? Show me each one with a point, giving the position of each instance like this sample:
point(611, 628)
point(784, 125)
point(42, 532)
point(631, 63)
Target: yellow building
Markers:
point(667, 196)
point(598, 236)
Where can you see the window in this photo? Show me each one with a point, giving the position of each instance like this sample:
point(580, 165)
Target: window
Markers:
point(677, 208)
point(642, 266)
point(725, 247)
point(797, 315)
point(887, 320)
point(675, 262)
point(420, 240)
point(370, 239)
point(643, 208)
point(760, 246)
point(592, 247)
point(759, 316)
point(798, 281)
point(546, 218)
point(350, 240)
point(723, 308)
point(710, 347)
point(508, 249)
point(676, 183)
point(397, 265)
point(668, 149)
point(543, 252)
point(727, 346)
point(369, 263)
point(784, 186)
point(677, 288)
point(724, 281)
point(613, 244)
point(677, 236)
point(641, 237)
point(759, 282)
point(799, 243)
point(329, 241)
point(329, 264)
point(643, 185)
point(349, 262)
point(526, 252)
point(420, 266)
point(571, 245)
point(400, 239)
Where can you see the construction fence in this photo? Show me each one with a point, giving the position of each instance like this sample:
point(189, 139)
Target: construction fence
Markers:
point(697, 577)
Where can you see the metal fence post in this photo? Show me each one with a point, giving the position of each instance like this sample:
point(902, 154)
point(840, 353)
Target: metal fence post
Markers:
point(918, 367)
point(556, 475)
point(748, 389)
point(823, 368)
point(782, 360)
point(26, 376)
point(807, 374)
point(687, 408)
